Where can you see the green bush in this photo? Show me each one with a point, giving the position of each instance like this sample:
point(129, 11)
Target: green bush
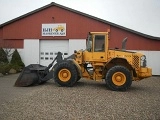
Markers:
point(15, 63)
point(4, 68)
point(16, 67)
point(3, 56)
point(16, 60)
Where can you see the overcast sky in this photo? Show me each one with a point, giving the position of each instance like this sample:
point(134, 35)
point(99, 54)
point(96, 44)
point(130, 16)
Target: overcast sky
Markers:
point(139, 15)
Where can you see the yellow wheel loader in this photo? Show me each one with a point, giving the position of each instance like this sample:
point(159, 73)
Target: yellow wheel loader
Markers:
point(117, 67)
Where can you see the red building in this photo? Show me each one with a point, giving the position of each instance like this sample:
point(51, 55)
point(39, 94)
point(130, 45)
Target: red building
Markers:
point(33, 35)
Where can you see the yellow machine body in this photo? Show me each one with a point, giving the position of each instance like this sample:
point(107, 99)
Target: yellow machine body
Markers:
point(117, 67)
point(101, 59)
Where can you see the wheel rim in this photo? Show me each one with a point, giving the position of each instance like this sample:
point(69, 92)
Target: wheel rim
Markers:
point(119, 78)
point(64, 75)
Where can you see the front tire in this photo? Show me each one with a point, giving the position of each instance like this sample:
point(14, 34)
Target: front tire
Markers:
point(65, 74)
point(118, 78)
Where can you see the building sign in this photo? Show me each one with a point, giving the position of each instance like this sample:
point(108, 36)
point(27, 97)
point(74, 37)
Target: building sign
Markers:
point(58, 29)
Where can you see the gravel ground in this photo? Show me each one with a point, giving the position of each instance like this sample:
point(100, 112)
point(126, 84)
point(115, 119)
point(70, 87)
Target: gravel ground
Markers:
point(87, 100)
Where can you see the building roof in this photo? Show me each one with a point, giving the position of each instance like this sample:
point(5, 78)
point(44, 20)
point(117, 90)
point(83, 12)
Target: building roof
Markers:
point(81, 13)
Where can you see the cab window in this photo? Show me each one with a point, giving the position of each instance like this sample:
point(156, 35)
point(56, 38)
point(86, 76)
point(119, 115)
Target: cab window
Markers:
point(89, 43)
point(99, 43)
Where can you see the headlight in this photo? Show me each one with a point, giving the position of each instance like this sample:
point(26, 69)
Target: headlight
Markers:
point(143, 61)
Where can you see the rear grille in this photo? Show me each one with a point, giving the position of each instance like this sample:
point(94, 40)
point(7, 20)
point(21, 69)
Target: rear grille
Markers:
point(136, 61)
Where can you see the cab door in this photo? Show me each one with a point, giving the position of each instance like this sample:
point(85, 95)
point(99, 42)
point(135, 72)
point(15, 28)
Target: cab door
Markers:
point(99, 47)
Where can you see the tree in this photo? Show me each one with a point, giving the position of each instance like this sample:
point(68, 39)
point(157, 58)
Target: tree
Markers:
point(3, 56)
point(16, 59)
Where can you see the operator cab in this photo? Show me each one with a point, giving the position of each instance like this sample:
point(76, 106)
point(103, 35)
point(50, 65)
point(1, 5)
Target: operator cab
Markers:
point(97, 44)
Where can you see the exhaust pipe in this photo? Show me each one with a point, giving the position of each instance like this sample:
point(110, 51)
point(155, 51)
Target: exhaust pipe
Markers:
point(124, 44)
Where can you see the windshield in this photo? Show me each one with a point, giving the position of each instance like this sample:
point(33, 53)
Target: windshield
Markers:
point(89, 43)
point(99, 43)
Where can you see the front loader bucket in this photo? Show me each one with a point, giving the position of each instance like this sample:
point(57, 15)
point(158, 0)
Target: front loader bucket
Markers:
point(30, 75)
point(36, 73)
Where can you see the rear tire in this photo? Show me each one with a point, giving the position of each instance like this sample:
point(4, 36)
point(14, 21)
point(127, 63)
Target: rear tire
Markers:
point(65, 74)
point(118, 78)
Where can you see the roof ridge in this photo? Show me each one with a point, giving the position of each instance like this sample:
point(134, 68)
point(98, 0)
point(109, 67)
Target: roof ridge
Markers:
point(81, 13)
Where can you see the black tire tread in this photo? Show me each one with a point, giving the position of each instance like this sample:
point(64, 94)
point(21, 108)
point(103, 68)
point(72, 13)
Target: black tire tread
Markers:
point(71, 68)
point(109, 82)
